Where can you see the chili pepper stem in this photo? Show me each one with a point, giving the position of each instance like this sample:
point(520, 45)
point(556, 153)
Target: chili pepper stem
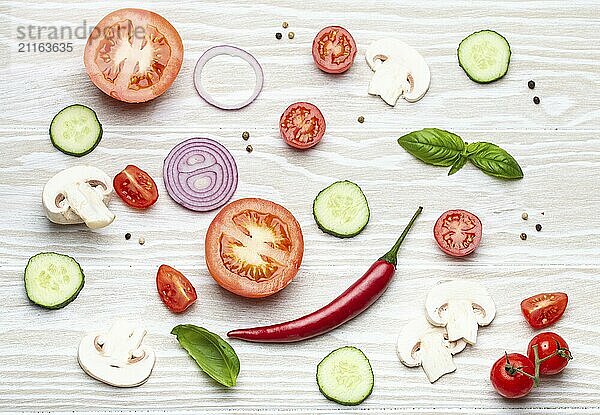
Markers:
point(392, 255)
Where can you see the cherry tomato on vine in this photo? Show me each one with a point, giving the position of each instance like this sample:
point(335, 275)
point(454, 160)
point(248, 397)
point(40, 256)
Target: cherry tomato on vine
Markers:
point(543, 310)
point(506, 378)
point(548, 344)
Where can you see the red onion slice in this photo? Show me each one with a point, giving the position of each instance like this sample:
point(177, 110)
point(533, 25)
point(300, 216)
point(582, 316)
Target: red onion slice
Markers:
point(200, 174)
point(231, 51)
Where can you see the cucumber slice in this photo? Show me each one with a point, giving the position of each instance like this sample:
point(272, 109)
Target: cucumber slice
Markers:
point(484, 56)
point(345, 376)
point(75, 130)
point(53, 280)
point(341, 209)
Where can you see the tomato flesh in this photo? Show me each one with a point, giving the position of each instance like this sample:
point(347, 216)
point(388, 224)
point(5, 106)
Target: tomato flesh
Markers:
point(254, 247)
point(135, 187)
point(543, 310)
point(133, 55)
point(302, 125)
point(512, 385)
point(174, 289)
point(334, 49)
point(458, 232)
point(548, 343)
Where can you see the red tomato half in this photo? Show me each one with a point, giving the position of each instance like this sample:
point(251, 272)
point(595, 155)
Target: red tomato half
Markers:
point(334, 49)
point(511, 384)
point(174, 289)
point(133, 55)
point(135, 187)
point(254, 247)
point(543, 310)
point(457, 232)
point(302, 125)
point(548, 343)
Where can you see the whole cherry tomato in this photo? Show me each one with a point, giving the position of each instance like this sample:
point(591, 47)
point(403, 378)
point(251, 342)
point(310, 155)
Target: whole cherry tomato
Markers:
point(507, 379)
point(550, 344)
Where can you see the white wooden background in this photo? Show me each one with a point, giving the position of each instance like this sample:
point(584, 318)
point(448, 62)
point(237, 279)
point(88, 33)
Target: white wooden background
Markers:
point(556, 43)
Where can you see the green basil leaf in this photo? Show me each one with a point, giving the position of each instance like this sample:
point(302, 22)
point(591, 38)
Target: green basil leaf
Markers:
point(213, 354)
point(433, 146)
point(458, 164)
point(494, 161)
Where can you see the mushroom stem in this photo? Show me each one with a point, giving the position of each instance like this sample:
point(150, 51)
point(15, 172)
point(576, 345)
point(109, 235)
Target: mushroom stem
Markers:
point(436, 359)
point(392, 255)
point(88, 205)
point(462, 322)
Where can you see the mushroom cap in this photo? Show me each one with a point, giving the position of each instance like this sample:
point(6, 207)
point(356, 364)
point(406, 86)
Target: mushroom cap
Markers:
point(409, 341)
point(408, 60)
point(56, 205)
point(437, 301)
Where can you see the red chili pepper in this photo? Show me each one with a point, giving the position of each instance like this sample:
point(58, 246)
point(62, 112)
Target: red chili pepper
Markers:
point(356, 299)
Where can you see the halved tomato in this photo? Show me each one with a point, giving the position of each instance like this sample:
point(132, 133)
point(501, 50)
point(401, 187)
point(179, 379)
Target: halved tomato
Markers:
point(457, 232)
point(175, 289)
point(136, 187)
point(133, 55)
point(545, 309)
point(254, 247)
point(334, 49)
point(302, 125)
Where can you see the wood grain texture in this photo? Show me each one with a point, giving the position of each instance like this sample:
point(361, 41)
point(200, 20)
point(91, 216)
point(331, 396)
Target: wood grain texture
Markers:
point(555, 43)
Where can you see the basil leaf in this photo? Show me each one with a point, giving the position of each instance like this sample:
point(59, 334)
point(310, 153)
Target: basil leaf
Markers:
point(494, 161)
point(213, 354)
point(458, 164)
point(433, 146)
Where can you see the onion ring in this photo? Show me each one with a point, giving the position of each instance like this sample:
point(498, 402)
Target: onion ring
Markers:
point(200, 174)
point(231, 51)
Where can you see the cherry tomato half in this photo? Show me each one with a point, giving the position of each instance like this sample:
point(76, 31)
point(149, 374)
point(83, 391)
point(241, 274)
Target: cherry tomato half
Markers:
point(458, 232)
point(136, 187)
point(508, 382)
point(545, 309)
point(133, 55)
point(254, 247)
point(548, 343)
point(174, 289)
point(334, 49)
point(302, 125)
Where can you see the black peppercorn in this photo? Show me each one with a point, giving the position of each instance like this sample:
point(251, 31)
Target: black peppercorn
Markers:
point(245, 135)
point(523, 236)
point(127, 236)
point(249, 148)
point(361, 119)
point(536, 100)
point(278, 35)
point(531, 84)
point(538, 227)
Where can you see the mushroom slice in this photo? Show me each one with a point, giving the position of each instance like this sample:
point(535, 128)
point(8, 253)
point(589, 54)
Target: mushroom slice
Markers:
point(399, 71)
point(117, 357)
point(460, 306)
point(421, 344)
point(79, 194)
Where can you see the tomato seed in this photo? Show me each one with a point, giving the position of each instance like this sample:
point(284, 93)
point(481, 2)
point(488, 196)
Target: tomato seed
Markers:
point(245, 135)
point(538, 227)
point(531, 84)
point(523, 236)
point(127, 236)
point(278, 35)
point(536, 100)
point(291, 35)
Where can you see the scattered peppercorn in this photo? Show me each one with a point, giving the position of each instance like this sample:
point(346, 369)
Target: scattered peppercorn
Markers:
point(142, 241)
point(361, 119)
point(536, 100)
point(249, 148)
point(245, 135)
point(531, 84)
point(291, 35)
point(127, 236)
point(278, 35)
point(523, 236)
point(284, 25)
point(538, 227)
point(524, 216)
